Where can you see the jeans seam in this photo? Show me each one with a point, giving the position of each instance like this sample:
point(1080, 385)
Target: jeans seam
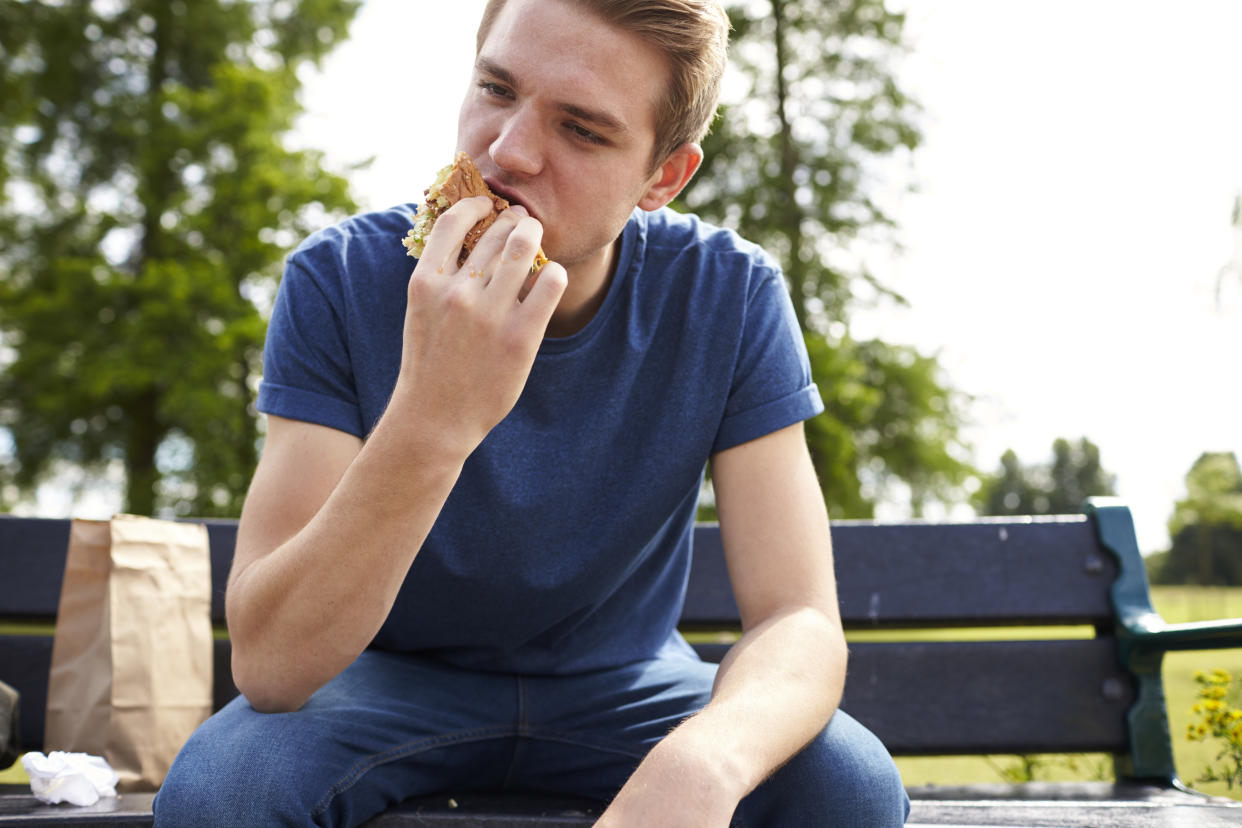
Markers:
point(577, 741)
point(521, 704)
point(520, 729)
point(368, 763)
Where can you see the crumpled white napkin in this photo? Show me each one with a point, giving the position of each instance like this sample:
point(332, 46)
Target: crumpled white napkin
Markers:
point(76, 778)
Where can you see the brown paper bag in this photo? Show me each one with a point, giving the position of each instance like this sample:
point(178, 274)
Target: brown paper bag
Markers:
point(132, 656)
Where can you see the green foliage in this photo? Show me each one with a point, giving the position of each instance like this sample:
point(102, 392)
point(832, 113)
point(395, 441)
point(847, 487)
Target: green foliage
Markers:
point(887, 419)
point(1059, 487)
point(791, 164)
point(1206, 527)
point(1041, 767)
point(148, 200)
point(1214, 494)
point(1219, 719)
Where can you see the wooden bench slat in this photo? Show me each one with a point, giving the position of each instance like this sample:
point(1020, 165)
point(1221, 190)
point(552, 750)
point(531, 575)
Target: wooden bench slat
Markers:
point(987, 573)
point(1014, 572)
point(32, 558)
point(995, 573)
point(222, 537)
point(1056, 696)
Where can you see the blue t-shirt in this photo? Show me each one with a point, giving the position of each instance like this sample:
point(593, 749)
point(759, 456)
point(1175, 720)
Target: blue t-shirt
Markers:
point(565, 544)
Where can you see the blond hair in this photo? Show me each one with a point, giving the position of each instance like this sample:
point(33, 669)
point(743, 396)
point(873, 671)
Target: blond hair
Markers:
point(693, 36)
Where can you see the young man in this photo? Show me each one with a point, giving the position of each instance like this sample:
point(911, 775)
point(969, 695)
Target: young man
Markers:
point(464, 550)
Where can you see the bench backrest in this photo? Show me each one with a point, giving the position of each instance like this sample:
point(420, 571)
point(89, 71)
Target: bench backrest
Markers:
point(951, 691)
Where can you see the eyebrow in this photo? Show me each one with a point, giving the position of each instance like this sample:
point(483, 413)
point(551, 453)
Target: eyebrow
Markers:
point(595, 117)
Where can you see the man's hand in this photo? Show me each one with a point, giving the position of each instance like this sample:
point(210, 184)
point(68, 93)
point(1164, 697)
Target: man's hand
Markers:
point(678, 785)
point(472, 333)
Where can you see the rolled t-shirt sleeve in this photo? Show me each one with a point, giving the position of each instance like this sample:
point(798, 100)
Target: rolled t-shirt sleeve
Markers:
point(306, 368)
point(772, 386)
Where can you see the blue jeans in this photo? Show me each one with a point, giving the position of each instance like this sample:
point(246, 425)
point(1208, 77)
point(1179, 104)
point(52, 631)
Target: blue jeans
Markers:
point(393, 726)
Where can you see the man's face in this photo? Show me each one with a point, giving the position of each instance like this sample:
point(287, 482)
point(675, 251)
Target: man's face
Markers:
point(560, 118)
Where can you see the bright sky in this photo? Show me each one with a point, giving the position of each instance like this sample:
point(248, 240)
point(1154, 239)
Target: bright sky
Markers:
point(1077, 182)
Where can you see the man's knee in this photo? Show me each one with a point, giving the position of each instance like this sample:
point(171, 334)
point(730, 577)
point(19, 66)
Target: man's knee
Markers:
point(230, 774)
point(844, 777)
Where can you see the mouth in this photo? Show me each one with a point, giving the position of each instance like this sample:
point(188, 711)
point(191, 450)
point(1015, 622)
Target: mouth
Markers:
point(509, 196)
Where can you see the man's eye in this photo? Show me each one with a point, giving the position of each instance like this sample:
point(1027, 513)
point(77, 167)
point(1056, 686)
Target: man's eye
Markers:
point(494, 89)
point(585, 134)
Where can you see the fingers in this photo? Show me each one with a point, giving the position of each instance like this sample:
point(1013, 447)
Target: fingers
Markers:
point(445, 241)
point(511, 267)
point(502, 258)
point(545, 294)
point(489, 252)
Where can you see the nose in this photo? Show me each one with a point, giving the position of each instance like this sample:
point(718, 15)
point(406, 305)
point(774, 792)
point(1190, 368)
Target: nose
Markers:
point(517, 147)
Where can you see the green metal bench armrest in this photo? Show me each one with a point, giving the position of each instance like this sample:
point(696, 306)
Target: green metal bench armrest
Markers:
point(1200, 635)
point(1143, 638)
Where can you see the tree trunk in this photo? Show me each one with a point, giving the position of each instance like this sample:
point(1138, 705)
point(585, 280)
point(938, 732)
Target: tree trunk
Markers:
point(144, 430)
point(144, 438)
point(791, 218)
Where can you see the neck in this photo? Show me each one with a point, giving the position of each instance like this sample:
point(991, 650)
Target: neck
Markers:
point(588, 285)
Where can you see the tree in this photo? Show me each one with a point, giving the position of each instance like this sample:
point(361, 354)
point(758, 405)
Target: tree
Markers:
point(1075, 475)
point(1059, 487)
point(791, 164)
point(1206, 526)
point(1010, 491)
point(148, 200)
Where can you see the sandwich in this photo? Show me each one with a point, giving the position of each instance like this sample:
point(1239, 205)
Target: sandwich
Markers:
point(458, 180)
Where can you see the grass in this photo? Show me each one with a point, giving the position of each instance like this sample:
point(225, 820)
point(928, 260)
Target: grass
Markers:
point(1180, 604)
point(1176, 605)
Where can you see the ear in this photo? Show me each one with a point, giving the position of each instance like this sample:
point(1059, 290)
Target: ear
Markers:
point(671, 176)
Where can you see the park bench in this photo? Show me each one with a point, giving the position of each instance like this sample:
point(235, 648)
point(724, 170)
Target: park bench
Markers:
point(1098, 690)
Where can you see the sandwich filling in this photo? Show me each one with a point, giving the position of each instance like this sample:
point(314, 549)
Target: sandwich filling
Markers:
point(458, 180)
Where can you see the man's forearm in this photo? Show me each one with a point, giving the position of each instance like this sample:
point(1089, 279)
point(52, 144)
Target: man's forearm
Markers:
point(301, 613)
point(774, 693)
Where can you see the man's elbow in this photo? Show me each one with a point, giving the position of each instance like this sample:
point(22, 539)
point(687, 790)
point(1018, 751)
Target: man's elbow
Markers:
point(264, 688)
point(816, 619)
point(825, 626)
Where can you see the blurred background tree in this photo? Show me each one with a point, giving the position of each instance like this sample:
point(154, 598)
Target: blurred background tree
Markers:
point(146, 201)
point(1206, 527)
point(793, 164)
point(1057, 488)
